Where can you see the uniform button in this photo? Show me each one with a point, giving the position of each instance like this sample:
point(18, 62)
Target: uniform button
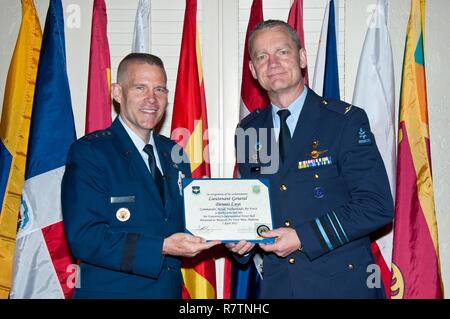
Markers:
point(283, 187)
point(166, 219)
point(169, 268)
point(316, 176)
point(350, 266)
point(292, 260)
point(287, 223)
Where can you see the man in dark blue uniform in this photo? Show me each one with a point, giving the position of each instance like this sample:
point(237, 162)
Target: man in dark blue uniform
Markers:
point(121, 195)
point(329, 189)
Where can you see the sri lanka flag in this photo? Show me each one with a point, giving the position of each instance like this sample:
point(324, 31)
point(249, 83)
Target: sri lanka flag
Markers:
point(415, 259)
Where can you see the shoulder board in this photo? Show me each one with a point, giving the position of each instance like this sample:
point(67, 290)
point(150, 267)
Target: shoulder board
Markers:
point(165, 140)
point(249, 118)
point(337, 106)
point(98, 135)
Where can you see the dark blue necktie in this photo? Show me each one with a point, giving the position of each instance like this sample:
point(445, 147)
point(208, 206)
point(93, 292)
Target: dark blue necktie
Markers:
point(156, 173)
point(284, 139)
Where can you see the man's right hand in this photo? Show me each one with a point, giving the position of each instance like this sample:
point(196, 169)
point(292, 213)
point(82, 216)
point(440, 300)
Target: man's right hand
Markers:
point(240, 248)
point(186, 245)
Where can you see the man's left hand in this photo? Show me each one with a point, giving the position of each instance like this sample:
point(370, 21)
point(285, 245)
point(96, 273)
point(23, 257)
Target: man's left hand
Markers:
point(286, 241)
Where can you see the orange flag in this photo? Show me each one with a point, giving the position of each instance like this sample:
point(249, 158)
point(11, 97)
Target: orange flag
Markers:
point(189, 113)
point(415, 258)
point(98, 105)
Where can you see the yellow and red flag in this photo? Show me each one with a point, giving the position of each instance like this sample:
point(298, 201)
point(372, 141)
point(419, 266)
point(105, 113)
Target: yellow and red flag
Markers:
point(189, 113)
point(98, 104)
point(14, 132)
point(415, 259)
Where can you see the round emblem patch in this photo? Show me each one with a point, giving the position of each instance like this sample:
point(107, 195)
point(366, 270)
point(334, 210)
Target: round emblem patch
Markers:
point(262, 229)
point(123, 214)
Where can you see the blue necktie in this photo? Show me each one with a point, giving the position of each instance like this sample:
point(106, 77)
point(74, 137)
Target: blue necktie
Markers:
point(154, 170)
point(284, 139)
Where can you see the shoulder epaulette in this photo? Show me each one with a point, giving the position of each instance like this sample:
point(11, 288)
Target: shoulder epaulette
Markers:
point(337, 106)
point(249, 118)
point(165, 139)
point(98, 135)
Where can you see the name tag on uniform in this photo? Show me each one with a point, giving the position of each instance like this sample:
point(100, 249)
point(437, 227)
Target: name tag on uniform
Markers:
point(122, 199)
point(315, 162)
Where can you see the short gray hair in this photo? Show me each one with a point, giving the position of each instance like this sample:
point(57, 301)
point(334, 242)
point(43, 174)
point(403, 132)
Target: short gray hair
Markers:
point(268, 24)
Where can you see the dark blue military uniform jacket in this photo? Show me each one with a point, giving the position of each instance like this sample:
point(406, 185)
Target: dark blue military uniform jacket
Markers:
point(332, 189)
point(115, 220)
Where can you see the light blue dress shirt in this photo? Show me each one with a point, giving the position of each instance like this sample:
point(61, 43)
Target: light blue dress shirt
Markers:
point(139, 143)
point(295, 108)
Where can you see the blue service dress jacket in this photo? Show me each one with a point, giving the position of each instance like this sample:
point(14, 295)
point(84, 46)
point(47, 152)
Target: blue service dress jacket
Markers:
point(332, 189)
point(115, 220)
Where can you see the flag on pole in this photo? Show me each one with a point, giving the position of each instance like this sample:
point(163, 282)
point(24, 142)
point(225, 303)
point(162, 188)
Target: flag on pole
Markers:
point(189, 113)
point(326, 72)
point(415, 258)
point(14, 132)
point(42, 260)
point(141, 33)
point(295, 20)
point(375, 93)
point(253, 95)
point(246, 279)
point(98, 106)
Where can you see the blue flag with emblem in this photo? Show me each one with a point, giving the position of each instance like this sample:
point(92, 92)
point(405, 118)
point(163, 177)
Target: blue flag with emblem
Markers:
point(42, 258)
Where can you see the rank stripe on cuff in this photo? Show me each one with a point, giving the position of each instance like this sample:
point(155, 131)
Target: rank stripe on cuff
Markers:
point(329, 231)
point(323, 234)
point(328, 228)
point(129, 252)
point(334, 217)
point(335, 231)
point(316, 231)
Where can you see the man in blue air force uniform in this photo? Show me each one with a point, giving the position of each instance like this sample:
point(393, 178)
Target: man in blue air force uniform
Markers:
point(329, 189)
point(121, 195)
